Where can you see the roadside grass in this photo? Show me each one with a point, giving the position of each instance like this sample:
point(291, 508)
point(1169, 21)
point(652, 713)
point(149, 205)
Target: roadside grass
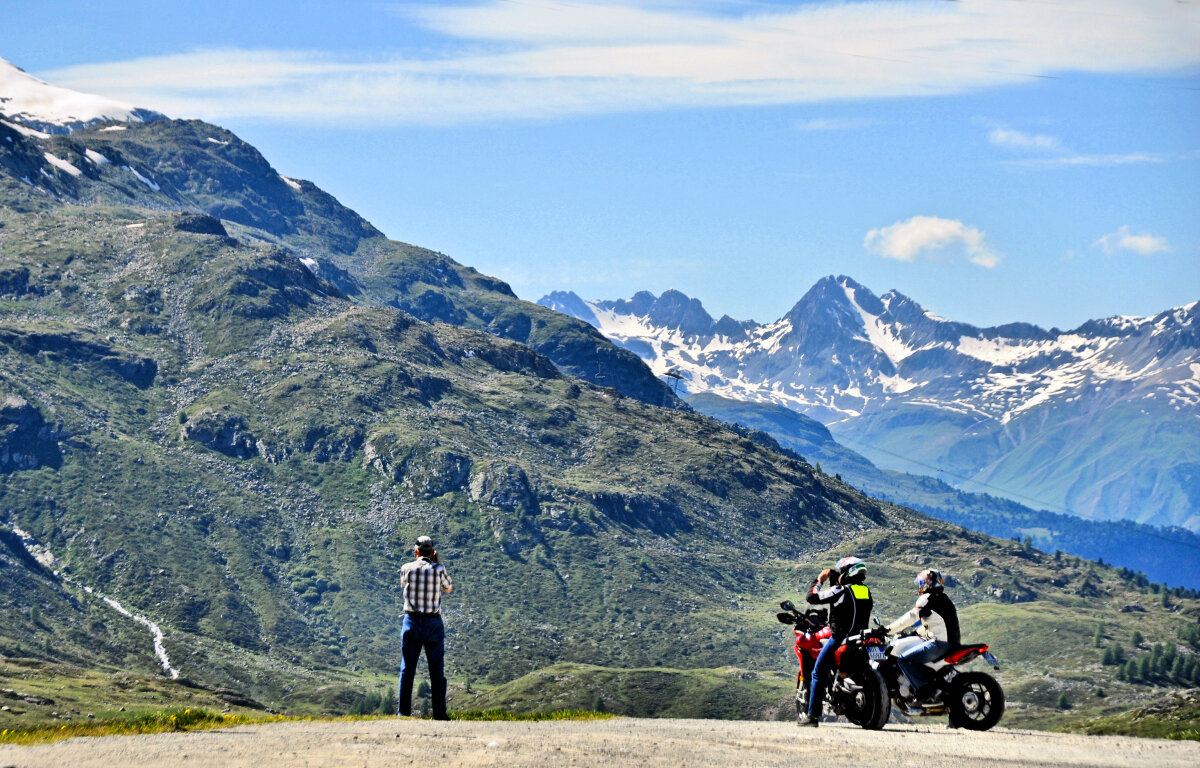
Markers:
point(180, 720)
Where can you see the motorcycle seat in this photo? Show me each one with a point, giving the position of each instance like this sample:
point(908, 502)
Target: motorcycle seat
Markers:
point(959, 652)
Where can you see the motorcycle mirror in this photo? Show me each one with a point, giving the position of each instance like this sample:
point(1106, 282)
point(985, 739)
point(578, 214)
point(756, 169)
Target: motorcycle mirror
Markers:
point(785, 618)
point(787, 605)
point(875, 621)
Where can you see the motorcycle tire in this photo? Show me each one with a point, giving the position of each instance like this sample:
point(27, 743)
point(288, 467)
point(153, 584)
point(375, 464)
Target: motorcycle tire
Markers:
point(802, 700)
point(975, 701)
point(869, 707)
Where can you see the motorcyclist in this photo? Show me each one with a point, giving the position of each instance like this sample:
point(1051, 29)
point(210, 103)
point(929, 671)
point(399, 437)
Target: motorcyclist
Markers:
point(937, 622)
point(849, 602)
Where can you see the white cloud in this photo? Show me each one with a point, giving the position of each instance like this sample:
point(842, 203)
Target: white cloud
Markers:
point(833, 124)
point(1123, 239)
point(1069, 161)
point(508, 60)
point(1025, 142)
point(907, 240)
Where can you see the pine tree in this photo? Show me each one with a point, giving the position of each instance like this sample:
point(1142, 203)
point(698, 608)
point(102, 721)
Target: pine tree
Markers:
point(1146, 669)
point(1107, 659)
point(1179, 670)
point(1098, 639)
point(387, 705)
point(1137, 639)
point(1063, 702)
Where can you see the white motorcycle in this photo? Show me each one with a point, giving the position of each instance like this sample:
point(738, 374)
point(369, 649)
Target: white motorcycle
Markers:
point(973, 700)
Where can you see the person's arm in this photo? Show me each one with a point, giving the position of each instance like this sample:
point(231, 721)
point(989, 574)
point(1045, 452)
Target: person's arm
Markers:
point(447, 583)
point(817, 596)
point(910, 618)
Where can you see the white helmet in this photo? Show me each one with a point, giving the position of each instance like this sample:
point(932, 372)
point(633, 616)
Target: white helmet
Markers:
point(850, 567)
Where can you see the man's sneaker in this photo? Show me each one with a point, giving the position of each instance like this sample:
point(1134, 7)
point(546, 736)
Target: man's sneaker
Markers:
point(810, 721)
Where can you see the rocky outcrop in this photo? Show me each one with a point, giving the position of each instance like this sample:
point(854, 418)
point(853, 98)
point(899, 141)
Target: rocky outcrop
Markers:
point(198, 223)
point(26, 440)
point(79, 348)
point(503, 486)
point(226, 433)
point(661, 516)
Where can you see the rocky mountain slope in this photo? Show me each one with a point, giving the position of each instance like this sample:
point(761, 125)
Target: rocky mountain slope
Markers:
point(1100, 421)
point(229, 405)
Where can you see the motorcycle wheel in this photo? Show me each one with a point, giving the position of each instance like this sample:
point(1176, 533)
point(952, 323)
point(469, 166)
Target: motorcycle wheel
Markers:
point(802, 700)
point(869, 707)
point(975, 701)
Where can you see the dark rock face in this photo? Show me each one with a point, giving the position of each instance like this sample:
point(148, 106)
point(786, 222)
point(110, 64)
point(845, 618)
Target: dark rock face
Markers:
point(200, 224)
point(26, 441)
point(14, 281)
point(226, 433)
point(71, 347)
point(662, 516)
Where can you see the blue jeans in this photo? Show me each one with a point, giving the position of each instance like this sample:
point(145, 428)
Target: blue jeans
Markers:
point(912, 661)
point(428, 633)
point(816, 695)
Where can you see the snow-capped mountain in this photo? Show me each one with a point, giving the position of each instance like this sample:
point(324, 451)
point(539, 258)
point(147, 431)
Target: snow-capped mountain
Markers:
point(1102, 420)
point(45, 108)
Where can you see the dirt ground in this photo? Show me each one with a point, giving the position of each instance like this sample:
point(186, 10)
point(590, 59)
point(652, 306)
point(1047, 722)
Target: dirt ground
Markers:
point(600, 744)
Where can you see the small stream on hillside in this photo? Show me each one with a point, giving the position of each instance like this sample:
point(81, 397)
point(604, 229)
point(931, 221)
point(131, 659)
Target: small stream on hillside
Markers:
point(53, 564)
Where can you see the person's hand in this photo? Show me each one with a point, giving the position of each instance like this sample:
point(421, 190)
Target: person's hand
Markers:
point(825, 574)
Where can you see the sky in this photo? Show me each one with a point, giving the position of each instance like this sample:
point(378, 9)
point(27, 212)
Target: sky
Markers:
point(995, 160)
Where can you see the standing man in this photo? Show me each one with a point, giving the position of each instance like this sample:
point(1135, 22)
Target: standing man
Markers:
point(423, 581)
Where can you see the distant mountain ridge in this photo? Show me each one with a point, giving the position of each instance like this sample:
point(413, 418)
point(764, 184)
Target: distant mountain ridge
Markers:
point(1170, 555)
point(1102, 421)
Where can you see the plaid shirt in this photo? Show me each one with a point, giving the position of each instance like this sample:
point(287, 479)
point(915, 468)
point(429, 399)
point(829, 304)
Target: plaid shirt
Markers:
point(423, 582)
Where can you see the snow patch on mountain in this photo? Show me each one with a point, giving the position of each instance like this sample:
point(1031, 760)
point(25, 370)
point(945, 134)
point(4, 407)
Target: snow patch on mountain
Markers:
point(142, 178)
point(51, 109)
point(877, 333)
point(62, 165)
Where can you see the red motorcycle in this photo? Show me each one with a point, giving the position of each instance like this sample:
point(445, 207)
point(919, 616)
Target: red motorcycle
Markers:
point(854, 689)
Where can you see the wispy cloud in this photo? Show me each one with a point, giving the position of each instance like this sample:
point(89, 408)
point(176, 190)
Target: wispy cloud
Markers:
point(1043, 150)
point(1068, 161)
point(834, 124)
point(541, 59)
point(923, 235)
point(1025, 142)
point(1143, 244)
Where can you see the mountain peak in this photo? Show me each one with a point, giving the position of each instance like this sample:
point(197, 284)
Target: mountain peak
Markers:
point(49, 108)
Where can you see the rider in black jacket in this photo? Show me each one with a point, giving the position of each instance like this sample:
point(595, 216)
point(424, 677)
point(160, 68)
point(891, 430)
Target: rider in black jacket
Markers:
point(849, 601)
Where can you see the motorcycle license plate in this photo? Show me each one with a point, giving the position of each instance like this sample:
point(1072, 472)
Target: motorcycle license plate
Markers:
point(991, 659)
point(876, 653)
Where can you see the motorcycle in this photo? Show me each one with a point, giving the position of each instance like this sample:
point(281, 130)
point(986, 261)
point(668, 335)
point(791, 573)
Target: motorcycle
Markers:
point(973, 700)
point(855, 689)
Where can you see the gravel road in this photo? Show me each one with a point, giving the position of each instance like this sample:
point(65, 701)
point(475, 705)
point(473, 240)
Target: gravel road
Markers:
point(604, 744)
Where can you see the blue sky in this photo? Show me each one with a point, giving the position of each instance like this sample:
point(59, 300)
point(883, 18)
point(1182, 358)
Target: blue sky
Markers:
point(996, 160)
